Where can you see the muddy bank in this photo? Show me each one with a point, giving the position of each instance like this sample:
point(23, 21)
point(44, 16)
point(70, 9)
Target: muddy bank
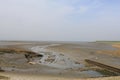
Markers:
point(105, 66)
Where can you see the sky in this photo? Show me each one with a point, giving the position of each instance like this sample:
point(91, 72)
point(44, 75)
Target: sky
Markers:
point(60, 20)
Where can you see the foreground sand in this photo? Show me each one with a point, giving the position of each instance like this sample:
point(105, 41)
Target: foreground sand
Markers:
point(36, 77)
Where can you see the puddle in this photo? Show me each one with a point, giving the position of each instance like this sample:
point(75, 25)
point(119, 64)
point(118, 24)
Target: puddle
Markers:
point(92, 73)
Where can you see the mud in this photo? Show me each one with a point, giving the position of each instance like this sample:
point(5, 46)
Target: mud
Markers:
point(54, 59)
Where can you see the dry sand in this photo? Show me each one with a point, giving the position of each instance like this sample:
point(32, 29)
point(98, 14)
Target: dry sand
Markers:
point(18, 76)
point(113, 52)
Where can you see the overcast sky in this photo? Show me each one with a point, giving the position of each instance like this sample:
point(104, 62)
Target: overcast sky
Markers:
point(63, 20)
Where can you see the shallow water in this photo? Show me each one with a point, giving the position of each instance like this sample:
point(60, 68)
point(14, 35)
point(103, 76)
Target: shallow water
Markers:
point(54, 59)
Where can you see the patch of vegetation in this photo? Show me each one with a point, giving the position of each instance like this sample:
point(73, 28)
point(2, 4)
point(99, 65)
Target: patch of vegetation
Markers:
point(109, 42)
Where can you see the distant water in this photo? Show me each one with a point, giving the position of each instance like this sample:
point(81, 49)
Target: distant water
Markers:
point(90, 45)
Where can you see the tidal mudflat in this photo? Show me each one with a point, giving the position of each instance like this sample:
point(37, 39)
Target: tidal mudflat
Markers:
point(57, 60)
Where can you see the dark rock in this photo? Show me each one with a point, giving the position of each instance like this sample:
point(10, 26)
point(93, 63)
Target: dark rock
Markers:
point(31, 56)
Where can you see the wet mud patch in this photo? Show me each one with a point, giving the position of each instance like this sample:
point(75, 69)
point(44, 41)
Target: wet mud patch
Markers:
point(54, 59)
